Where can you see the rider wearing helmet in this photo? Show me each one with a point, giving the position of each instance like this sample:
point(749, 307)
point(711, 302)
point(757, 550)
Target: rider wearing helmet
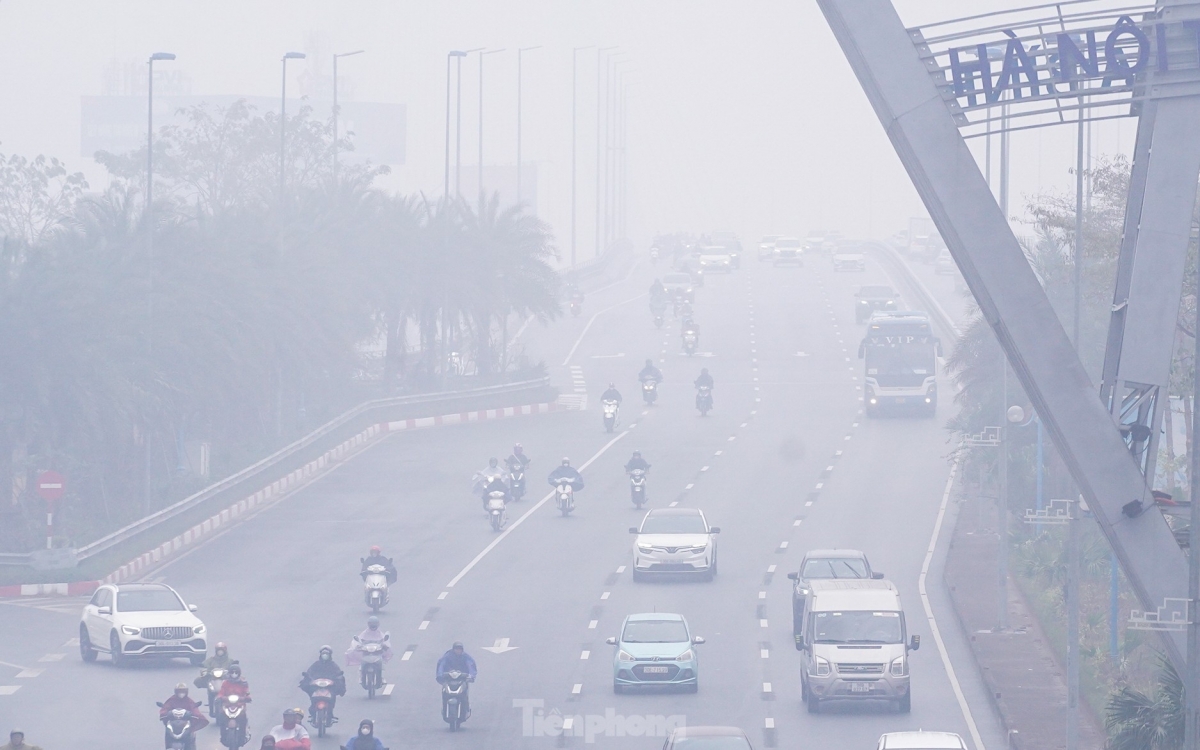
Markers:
point(636, 462)
point(365, 739)
point(457, 660)
point(566, 472)
point(372, 634)
point(235, 685)
point(650, 372)
point(324, 668)
point(219, 660)
point(704, 380)
point(291, 734)
point(518, 460)
point(612, 394)
point(375, 557)
point(180, 699)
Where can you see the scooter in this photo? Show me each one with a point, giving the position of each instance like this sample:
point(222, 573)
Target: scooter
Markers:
point(690, 340)
point(180, 735)
point(497, 512)
point(658, 320)
point(654, 256)
point(637, 487)
point(233, 722)
point(565, 501)
point(611, 408)
point(216, 676)
point(704, 401)
point(516, 482)
point(376, 582)
point(650, 391)
point(454, 698)
point(576, 307)
point(321, 709)
point(372, 655)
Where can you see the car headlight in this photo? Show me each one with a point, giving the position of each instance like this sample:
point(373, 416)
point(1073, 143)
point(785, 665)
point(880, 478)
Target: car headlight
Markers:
point(899, 667)
point(129, 630)
point(804, 590)
point(686, 656)
point(198, 630)
point(645, 548)
point(623, 655)
point(863, 302)
point(891, 303)
point(822, 667)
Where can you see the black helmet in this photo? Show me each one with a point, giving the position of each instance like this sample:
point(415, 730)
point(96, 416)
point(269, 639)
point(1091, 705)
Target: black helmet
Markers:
point(373, 622)
point(493, 461)
point(649, 363)
point(325, 654)
point(637, 453)
point(235, 671)
point(456, 646)
point(566, 461)
point(366, 728)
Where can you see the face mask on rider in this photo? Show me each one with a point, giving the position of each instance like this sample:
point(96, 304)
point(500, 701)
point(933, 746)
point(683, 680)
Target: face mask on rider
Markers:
point(365, 731)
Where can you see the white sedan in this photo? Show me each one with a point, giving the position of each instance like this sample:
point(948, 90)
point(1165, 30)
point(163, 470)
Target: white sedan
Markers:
point(140, 619)
point(674, 540)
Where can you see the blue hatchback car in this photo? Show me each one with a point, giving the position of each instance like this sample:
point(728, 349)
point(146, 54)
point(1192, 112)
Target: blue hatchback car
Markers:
point(655, 649)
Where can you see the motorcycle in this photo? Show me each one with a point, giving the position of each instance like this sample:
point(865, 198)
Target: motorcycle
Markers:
point(658, 320)
point(565, 502)
point(371, 654)
point(233, 722)
point(496, 510)
point(650, 391)
point(180, 735)
point(704, 401)
point(637, 487)
point(321, 710)
point(610, 415)
point(376, 582)
point(454, 698)
point(690, 340)
point(654, 256)
point(216, 676)
point(516, 482)
point(576, 307)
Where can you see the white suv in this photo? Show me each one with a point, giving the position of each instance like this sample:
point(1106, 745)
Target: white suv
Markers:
point(140, 619)
point(921, 741)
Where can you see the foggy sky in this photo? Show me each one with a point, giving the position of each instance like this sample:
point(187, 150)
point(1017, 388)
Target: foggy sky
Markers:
point(743, 115)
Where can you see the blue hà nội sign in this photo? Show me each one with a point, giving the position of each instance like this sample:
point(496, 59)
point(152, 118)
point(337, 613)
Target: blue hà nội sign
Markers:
point(1105, 58)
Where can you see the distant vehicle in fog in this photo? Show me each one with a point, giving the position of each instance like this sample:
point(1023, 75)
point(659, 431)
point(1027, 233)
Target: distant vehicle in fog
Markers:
point(707, 738)
point(944, 264)
point(679, 287)
point(814, 241)
point(766, 246)
point(921, 740)
point(900, 354)
point(731, 244)
point(714, 258)
point(788, 250)
point(849, 260)
point(874, 298)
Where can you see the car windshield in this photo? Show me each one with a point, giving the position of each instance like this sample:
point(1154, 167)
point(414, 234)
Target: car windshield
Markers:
point(834, 567)
point(148, 600)
point(876, 291)
point(900, 359)
point(677, 278)
point(712, 743)
point(674, 524)
point(787, 243)
point(857, 627)
point(655, 631)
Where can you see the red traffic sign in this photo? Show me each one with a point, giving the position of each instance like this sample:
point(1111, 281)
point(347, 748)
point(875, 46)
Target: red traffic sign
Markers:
point(51, 485)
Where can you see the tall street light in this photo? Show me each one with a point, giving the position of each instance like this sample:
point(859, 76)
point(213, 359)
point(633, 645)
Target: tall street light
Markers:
point(156, 57)
point(336, 110)
point(283, 121)
point(458, 121)
point(610, 120)
point(481, 56)
point(454, 53)
point(600, 68)
point(574, 76)
point(520, 52)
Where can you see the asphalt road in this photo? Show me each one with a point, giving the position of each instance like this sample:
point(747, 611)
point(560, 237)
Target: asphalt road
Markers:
point(785, 462)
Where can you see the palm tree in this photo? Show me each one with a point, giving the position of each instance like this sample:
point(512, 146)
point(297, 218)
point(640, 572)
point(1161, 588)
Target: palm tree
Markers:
point(1136, 721)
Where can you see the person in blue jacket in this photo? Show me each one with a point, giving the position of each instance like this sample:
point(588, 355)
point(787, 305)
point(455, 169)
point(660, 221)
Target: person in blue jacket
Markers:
point(457, 659)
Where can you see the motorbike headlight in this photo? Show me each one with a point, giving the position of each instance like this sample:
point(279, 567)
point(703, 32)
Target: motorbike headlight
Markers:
point(686, 656)
point(198, 630)
point(129, 630)
point(822, 667)
point(233, 698)
point(623, 655)
point(899, 667)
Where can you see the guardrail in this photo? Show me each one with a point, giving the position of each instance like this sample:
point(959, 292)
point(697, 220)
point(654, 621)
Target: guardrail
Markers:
point(254, 470)
point(889, 256)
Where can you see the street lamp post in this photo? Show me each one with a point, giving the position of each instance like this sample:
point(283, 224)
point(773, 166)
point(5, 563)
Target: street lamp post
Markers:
point(283, 121)
point(574, 159)
point(610, 136)
point(479, 184)
point(458, 120)
point(600, 70)
point(157, 56)
point(451, 54)
point(336, 110)
point(520, 52)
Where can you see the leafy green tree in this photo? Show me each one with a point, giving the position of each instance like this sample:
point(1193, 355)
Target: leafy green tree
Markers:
point(1140, 721)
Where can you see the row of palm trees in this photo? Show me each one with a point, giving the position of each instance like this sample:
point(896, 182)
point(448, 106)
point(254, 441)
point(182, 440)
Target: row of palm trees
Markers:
point(230, 314)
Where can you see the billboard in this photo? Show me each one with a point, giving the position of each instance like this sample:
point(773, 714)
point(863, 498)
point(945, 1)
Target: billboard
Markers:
point(118, 123)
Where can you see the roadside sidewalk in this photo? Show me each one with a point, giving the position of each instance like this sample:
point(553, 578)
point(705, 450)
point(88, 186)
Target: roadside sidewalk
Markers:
point(1025, 682)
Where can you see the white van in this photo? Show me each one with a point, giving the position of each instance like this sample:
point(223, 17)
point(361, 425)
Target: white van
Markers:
point(854, 644)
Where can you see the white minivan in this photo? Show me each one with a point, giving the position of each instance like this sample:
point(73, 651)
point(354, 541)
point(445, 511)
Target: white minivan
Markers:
point(854, 643)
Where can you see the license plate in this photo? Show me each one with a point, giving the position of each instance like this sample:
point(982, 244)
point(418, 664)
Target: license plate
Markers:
point(860, 687)
point(168, 643)
point(900, 400)
point(654, 670)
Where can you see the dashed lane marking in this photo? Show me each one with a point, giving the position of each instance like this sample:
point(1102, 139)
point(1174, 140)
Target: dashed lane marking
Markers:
point(767, 687)
point(770, 568)
point(9, 689)
point(53, 657)
point(796, 522)
point(808, 504)
point(406, 656)
point(762, 595)
point(693, 484)
point(820, 485)
point(620, 569)
point(768, 723)
point(673, 504)
point(703, 468)
point(26, 674)
point(605, 595)
point(576, 690)
point(583, 655)
point(424, 624)
point(718, 453)
point(442, 595)
point(388, 688)
point(592, 624)
point(783, 545)
point(762, 623)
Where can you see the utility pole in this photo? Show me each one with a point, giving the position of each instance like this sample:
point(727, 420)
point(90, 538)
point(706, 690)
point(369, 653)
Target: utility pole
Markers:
point(1002, 511)
point(521, 51)
point(601, 68)
point(574, 139)
point(1073, 624)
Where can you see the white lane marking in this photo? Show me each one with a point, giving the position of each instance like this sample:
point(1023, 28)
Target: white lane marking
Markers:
point(783, 545)
point(583, 655)
point(718, 453)
point(592, 624)
point(70, 643)
point(820, 485)
point(732, 438)
point(620, 569)
point(608, 356)
point(808, 504)
point(673, 504)
point(762, 595)
point(53, 657)
point(754, 412)
point(388, 688)
point(768, 723)
point(424, 624)
point(770, 568)
point(604, 595)
point(583, 333)
point(690, 485)
point(762, 623)
point(854, 425)
point(766, 687)
point(576, 690)
point(838, 453)
point(847, 437)
point(744, 424)
point(442, 595)
point(796, 522)
point(17, 667)
point(504, 534)
point(25, 674)
point(9, 689)
point(703, 468)
point(501, 646)
point(933, 626)
point(828, 468)
point(406, 656)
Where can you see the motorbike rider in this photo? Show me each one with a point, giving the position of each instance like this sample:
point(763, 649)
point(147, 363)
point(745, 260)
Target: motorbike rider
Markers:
point(457, 659)
point(518, 459)
point(566, 472)
point(612, 394)
point(324, 668)
point(365, 739)
point(180, 699)
point(371, 635)
point(650, 372)
point(234, 685)
point(658, 292)
point(496, 484)
point(291, 734)
point(636, 462)
point(375, 557)
point(219, 660)
point(704, 380)
point(16, 741)
point(689, 326)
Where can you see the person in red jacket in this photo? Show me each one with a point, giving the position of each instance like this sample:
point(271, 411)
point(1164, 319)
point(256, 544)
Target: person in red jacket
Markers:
point(234, 685)
point(180, 699)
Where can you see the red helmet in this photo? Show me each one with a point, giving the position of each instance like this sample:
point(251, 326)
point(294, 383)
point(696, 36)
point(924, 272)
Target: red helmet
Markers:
point(375, 550)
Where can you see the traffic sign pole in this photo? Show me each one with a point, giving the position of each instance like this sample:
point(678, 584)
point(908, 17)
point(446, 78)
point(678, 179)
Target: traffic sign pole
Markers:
point(50, 485)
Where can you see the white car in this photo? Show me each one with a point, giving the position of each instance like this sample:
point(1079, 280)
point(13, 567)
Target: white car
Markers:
point(715, 259)
point(766, 246)
point(849, 261)
point(674, 540)
point(921, 741)
point(788, 250)
point(140, 619)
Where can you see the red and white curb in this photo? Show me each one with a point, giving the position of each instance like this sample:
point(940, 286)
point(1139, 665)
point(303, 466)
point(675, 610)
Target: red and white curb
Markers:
point(271, 493)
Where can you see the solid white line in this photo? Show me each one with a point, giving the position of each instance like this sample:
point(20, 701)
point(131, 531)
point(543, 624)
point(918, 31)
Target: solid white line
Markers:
point(504, 534)
point(933, 626)
point(579, 340)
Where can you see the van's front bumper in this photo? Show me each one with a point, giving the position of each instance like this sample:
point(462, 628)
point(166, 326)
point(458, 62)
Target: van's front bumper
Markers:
point(886, 687)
